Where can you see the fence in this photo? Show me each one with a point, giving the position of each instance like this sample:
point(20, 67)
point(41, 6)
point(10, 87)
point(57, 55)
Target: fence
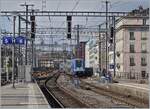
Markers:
point(131, 75)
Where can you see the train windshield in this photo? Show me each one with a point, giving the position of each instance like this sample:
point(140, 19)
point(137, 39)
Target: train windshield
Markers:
point(78, 63)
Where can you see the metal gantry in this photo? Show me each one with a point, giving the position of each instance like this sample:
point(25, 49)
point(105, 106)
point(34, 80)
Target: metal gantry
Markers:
point(62, 31)
point(51, 31)
point(67, 13)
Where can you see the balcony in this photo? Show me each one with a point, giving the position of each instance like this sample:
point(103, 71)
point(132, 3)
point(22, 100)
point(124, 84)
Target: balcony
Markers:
point(132, 51)
point(132, 64)
point(143, 38)
point(143, 64)
point(132, 38)
point(143, 51)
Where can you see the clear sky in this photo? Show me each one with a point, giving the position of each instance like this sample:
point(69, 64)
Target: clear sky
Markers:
point(69, 5)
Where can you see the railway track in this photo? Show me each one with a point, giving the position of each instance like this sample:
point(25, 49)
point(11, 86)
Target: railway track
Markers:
point(61, 98)
point(52, 100)
point(114, 96)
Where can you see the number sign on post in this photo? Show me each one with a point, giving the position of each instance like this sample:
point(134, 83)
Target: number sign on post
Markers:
point(7, 40)
point(20, 40)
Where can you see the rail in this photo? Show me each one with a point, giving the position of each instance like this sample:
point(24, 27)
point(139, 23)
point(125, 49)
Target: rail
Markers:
point(59, 104)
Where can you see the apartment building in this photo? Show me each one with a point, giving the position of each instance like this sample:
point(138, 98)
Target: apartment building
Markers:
point(132, 45)
point(92, 55)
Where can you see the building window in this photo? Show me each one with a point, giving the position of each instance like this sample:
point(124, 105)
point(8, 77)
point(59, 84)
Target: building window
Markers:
point(118, 53)
point(132, 63)
point(143, 61)
point(143, 35)
point(144, 21)
point(118, 66)
point(143, 47)
point(143, 74)
point(132, 48)
point(132, 36)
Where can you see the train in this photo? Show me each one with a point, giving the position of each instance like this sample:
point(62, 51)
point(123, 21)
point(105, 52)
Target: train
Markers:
point(77, 67)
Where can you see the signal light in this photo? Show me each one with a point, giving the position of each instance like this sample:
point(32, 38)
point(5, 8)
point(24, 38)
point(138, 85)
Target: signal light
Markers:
point(69, 36)
point(69, 19)
point(32, 18)
point(111, 34)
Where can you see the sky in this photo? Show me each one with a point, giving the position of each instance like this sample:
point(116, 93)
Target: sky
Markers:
point(75, 5)
point(68, 5)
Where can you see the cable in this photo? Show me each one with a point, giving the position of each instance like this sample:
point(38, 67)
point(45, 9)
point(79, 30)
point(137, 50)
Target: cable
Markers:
point(92, 18)
point(50, 20)
point(86, 21)
point(72, 10)
point(120, 2)
point(76, 5)
point(115, 3)
point(59, 2)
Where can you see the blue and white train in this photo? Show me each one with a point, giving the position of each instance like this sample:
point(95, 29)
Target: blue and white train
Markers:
point(77, 66)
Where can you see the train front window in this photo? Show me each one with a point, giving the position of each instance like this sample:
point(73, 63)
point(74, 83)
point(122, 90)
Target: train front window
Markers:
point(78, 63)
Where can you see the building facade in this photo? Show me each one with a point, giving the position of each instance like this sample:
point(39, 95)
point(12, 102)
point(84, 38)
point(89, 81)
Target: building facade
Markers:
point(92, 55)
point(80, 51)
point(87, 63)
point(132, 45)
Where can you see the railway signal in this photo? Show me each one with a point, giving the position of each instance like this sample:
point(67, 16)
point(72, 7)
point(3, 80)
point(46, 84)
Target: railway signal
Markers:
point(69, 19)
point(32, 18)
point(111, 34)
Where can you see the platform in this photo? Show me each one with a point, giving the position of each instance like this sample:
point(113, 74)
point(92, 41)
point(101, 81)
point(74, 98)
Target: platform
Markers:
point(23, 96)
point(139, 91)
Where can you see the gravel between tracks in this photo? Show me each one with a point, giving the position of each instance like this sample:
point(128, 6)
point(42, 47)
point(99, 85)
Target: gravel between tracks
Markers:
point(93, 99)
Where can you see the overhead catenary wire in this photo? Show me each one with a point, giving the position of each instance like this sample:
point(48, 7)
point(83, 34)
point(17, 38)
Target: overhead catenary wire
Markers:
point(75, 5)
point(72, 10)
point(58, 5)
point(87, 20)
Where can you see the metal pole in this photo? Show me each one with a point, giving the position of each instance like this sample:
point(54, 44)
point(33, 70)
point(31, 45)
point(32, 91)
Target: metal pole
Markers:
point(35, 63)
point(71, 48)
point(26, 54)
point(13, 53)
point(106, 35)
point(32, 53)
point(78, 38)
point(100, 64)
point(63, 52)
point(0, 59)
point(114, 41)
point(6, 69)
point(27, 6)
point(26, 35)
point(19, 57)
point(19, 33)
point(52, 48)
point(33, 47)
